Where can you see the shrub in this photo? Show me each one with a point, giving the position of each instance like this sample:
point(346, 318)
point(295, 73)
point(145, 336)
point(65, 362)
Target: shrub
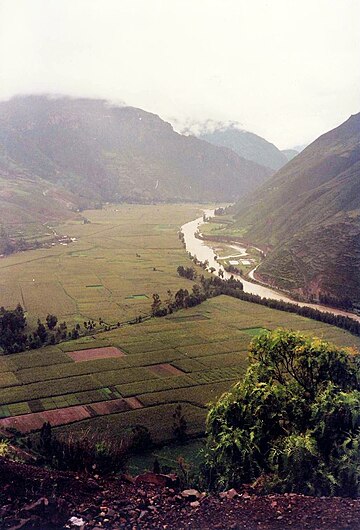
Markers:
point(4, 446)
point(295, 419)
point(83, 451)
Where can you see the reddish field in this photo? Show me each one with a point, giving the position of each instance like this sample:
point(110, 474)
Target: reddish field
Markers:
point(165, 370)
point(33, 421)
point(95, 353)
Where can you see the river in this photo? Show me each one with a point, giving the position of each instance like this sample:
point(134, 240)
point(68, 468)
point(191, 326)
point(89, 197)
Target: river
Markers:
point(203, 252)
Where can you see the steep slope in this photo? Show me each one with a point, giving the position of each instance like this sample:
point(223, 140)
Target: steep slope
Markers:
point(248, 145)
point(102, 152)
point(309, 216)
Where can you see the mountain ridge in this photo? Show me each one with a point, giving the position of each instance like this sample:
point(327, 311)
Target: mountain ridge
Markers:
point(299, 212)
point(119, 152)
point(246, 144)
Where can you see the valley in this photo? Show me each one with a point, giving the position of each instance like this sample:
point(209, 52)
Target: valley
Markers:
point(179, 265)
point(138, 373)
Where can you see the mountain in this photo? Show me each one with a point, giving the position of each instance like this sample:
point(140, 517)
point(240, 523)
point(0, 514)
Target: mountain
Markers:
point(101, 152)
point(300, 147)
point(246, 144)
point(308, 216)
point(290, 153)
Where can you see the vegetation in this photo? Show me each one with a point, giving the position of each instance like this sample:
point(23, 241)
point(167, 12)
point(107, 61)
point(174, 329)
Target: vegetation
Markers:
point(207, 288)
point(294, 419)
point(14, 339)
point(100, 275)
point(308, 215)
point(12, 325)
point(340, 321)
point(207, 343)
point(86, 451)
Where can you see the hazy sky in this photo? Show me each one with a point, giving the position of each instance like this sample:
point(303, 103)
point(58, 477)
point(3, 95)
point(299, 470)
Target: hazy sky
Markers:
point(285, 69)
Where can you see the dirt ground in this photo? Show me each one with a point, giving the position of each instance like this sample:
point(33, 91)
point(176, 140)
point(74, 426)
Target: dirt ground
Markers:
point(32, 497)
point(95, 353)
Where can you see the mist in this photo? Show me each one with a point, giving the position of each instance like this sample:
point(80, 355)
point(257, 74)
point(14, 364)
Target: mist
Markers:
point(284, 69)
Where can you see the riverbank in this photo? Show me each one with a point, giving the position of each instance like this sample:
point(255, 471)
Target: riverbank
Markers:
point(204, 252)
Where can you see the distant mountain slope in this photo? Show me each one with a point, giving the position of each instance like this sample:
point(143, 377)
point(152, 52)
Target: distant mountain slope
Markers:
point(290, 153)
point(248, 145)
point(309, 215)
point(100, 152)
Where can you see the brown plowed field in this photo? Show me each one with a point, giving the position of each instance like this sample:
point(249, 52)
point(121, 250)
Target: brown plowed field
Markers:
point(95, 353)
point(34, 421)
point(165, 370)
point(134, 403)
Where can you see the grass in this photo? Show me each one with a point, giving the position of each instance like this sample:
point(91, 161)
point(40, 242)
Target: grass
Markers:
point(168, 457)
point(207, 343)
point(118, 261)
point(210, 352)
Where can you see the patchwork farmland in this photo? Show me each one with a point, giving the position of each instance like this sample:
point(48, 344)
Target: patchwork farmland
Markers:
point(136, 375)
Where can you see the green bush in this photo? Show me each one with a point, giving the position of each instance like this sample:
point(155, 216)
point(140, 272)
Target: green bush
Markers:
point(294, 419)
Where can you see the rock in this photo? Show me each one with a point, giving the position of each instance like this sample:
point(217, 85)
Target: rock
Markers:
point(142, 514)
point(77, 522)
point(152, 478)
point(230, 494)
point(191, 495)
point(36, 507)
point(195, 504)
point(21, 524)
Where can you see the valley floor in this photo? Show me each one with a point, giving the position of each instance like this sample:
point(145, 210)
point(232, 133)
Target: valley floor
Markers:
point(138, 373)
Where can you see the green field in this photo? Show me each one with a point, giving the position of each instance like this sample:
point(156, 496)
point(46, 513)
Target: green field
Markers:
point(119, 259)
point(124, 255)
point(211, 354)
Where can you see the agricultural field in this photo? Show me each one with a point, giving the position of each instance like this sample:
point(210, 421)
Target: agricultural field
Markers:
point(137, 374)
point(117, 261)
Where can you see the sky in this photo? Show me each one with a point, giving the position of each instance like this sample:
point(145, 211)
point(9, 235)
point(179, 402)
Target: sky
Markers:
point(287, 70)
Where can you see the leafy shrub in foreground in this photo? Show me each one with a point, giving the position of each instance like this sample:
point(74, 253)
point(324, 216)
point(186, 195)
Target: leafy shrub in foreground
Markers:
point(294, 419)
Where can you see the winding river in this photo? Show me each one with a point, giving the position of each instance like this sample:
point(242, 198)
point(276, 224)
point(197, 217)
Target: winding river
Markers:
point(204, 252)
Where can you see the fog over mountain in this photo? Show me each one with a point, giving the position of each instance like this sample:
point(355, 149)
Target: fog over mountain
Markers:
point(244, 143)
point(234, 60)
point(61, 154)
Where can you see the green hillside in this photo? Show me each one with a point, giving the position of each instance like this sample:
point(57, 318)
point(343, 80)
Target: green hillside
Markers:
point(308, 217)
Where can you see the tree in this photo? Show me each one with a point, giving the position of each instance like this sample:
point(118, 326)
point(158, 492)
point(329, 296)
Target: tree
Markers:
point(45, 442)
point(51, 321)
point(41, 331)
point(12, 325)
point(156, 304)
point(294, 419)
point(179, 425)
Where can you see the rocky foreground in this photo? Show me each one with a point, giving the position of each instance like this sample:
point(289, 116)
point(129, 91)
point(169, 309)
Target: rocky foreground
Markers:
point(32, 497)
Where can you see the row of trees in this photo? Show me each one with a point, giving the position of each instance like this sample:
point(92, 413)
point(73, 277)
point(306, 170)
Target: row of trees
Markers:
point(340, 321)
point(15, 338)
point(207, 288)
